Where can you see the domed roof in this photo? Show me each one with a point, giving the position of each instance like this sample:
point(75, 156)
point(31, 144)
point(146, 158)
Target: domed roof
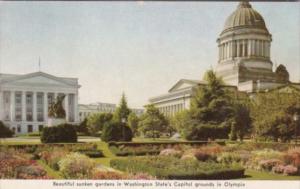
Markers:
point(245, 15)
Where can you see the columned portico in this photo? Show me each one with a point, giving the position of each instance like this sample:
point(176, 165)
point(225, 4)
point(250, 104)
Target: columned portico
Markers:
point(29, 96)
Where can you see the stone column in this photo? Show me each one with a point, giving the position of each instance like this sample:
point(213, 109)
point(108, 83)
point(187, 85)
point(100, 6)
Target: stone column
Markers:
point(249, 47)
point(34, 107)
point(24, 106)
point(75, 105)
point(12, 105)
point(243, 48)
point(45, 105)
point(237, 48)
point(1, 105)
point(66, 102)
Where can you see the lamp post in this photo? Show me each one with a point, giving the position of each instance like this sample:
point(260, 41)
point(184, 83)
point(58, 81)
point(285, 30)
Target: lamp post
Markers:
point(296, 118)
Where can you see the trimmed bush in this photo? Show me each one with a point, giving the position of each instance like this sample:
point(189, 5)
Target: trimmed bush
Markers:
point(58, 134)
point(116, 131)
point(208, 131)
point(5, 132)
point(92, 153)
point(174, 168)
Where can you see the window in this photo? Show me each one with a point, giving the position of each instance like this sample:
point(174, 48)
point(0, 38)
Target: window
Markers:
point(29, 128)
point(18, 106)
point(19, 128)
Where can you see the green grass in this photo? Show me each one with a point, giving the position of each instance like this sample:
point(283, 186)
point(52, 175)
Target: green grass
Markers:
point(258, 175)
point(50, 171)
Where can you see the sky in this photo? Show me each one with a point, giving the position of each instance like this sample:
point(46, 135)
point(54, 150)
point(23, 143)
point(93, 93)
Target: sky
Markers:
point(139, 48)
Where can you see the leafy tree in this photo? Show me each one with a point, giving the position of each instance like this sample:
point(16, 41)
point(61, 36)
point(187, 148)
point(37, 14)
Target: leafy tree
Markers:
point(153, 122)
point(122, 112)
point(181, 120)
point(272, 115)
point(5, 132)
point(133, 122)
point(242, 121)
point(96, 121)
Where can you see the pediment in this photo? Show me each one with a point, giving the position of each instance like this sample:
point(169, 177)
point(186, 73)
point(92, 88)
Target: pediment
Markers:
point(38, 79)
point(183, 84)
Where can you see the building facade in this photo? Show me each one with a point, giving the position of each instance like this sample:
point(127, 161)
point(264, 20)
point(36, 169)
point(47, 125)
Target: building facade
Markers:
point(244, 61)
point(86, 110)
point(25, 99)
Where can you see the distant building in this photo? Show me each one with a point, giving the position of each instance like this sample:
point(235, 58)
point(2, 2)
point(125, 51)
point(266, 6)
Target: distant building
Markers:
point(86, 110)
point(25, 99)
point(244, 61)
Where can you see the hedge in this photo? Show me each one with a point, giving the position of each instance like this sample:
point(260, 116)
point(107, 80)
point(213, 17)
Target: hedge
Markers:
point(196, 143)
point(173, 168)
point(61, 133)
point(5, 132)
point(133, 151)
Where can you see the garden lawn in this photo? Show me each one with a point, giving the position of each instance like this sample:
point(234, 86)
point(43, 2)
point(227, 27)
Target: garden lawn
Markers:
point(259, 175)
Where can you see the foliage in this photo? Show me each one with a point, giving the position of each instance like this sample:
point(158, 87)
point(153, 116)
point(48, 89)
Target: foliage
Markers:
point(5, 132)
point(280, 108)
point(122, 111)
point(292, 156)
point(212, 111)
point(282, 75)
point(134, 151)
point(171, 152)
point(133, 122)
point(96, 122)
point(56, 109)
point(52, 157)
point(15, 164)
point(92, 153)
point(83, 127)
point(61, 133)
point(76, 166)
point(174, 168)
point(116, 131)
point(181, 120)
point(152, 122)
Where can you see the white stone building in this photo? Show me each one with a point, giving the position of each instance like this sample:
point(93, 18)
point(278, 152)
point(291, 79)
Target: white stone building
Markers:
point(244, 61)
point(86, 110)
point(25, 99)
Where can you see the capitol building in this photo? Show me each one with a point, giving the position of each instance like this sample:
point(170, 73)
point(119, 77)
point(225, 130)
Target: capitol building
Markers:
point(244, 62)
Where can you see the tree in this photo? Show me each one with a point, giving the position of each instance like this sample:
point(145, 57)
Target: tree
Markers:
point(282, 75)
point(211, 112)
point(181, 120)
point(133, 122)
point(122, 112)
point(5, 132)
point(116, 131)
point(272, 115)
point(96, 121)
point(82, 127)
point(242, 121)
point(152, 123)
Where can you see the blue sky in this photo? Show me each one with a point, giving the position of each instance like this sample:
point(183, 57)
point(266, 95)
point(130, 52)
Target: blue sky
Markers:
point(141, 48)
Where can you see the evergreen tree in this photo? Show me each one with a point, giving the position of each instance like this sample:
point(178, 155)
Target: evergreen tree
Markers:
point(122, 111)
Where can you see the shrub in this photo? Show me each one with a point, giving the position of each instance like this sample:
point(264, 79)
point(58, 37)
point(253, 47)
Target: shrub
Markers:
point(76, 166)
point(59, 134)
point(290, 170)
point(229, 158)
point(31, 171)
point(171, 152)
point(267, 165)
point(5, 132)
point(174, 168)
point(115, 131)
point(189, 156)
point(52, 157)
point(142, 176)
point(92, 153)
point(279, 169)
point(207, 131)
point(292, 156)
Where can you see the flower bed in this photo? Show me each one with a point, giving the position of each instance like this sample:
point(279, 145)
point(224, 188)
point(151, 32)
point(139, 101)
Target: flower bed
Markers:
point(174, 168)
point(134, 151)
point(17, 165)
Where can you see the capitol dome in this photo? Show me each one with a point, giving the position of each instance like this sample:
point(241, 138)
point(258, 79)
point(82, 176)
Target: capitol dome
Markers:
point(244, 16)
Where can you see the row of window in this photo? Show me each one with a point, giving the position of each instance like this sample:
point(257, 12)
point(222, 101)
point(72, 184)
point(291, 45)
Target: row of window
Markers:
point(29, 128)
